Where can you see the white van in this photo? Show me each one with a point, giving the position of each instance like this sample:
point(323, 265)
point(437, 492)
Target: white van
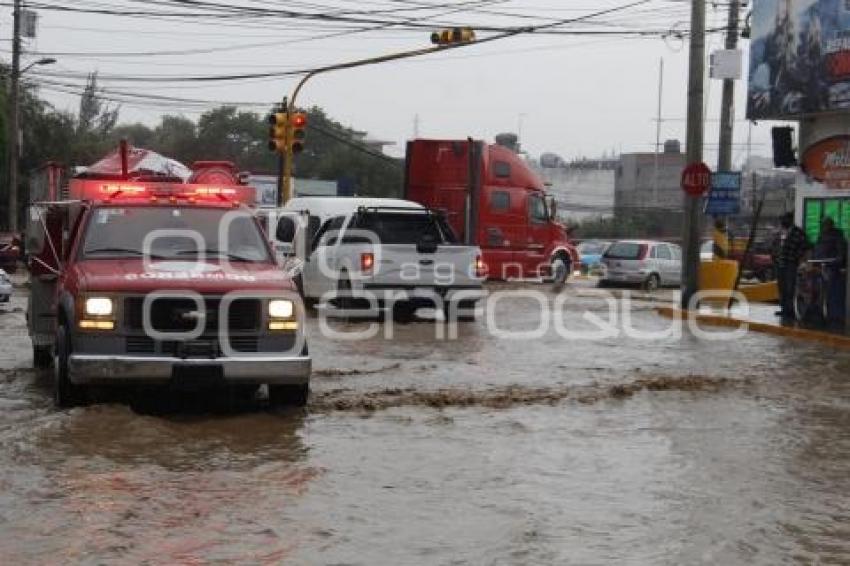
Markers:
point(379, 254)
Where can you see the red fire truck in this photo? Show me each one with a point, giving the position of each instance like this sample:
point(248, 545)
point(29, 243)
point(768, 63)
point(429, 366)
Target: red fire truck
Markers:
point(141, 278)
point(491, 199)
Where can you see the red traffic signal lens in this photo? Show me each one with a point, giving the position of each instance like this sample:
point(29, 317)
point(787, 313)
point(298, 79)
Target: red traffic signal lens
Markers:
point(299, 121)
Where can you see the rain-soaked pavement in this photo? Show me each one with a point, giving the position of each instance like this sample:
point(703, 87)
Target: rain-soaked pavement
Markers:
point(479, 450)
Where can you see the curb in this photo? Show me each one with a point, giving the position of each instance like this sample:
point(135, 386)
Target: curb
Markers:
point(821, 337)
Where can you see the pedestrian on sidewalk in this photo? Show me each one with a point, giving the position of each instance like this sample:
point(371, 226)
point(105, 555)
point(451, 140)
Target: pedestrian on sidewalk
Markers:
point(832, 247)
point(789, 247)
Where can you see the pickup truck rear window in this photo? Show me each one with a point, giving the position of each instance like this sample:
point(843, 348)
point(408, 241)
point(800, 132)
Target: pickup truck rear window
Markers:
point(120, 232)
point(405, 228)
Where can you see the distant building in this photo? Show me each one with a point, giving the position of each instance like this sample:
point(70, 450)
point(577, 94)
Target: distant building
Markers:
point(582, 188)
point(647, 191)
point(776, 186)
point(266, 186)
point(649, 180)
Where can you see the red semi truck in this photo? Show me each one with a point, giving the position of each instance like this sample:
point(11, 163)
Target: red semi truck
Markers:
point(140, 278)
point(492, 199)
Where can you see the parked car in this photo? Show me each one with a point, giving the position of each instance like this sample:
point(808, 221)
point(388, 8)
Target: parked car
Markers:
point(759, 265)
point(5, 287)
point(394, 251)
point(590, 255)
point(642, 262)
point(10, 251)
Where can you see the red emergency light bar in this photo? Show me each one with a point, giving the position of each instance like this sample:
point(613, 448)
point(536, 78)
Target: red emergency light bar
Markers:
point(112, 191)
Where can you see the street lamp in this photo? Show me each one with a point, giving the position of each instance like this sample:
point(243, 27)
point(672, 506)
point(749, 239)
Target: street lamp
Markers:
point(14, 116)
point(43, 61)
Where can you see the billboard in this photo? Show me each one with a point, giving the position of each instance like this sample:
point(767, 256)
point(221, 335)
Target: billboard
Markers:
point(799, 58)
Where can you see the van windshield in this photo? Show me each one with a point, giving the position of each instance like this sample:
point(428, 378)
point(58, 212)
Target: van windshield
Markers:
point(404, 227)
point(173, 233)
point(626, 250)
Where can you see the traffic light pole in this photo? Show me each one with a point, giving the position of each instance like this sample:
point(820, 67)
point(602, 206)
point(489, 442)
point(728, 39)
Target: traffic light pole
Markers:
point(282, 159)
point(693, 213)
point(285, 182)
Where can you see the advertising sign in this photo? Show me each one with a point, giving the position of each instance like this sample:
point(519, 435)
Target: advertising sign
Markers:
point(725, 196)
point(799, 58)
point(828, 161)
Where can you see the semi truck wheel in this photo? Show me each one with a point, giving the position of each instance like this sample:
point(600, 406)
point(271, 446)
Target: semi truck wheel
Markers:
point(65, 393)
point(289, 395)
point(560, 270)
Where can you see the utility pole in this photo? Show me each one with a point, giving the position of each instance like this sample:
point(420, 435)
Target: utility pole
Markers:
point(727, 105)
point(693, 213)
point(658, 131)
point(13, 133)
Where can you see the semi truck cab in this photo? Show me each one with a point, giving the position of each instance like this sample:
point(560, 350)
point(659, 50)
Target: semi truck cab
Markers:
point(492, 199)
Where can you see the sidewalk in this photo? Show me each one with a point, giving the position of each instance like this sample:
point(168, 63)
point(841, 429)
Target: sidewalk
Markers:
point(758, 318)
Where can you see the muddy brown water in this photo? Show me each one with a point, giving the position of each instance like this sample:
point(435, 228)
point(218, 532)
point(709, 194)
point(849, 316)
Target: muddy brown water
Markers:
point(480, 450)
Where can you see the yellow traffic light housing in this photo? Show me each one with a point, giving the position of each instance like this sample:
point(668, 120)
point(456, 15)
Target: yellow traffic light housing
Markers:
point(278, 125)
point(297, 125)
point(453, 36)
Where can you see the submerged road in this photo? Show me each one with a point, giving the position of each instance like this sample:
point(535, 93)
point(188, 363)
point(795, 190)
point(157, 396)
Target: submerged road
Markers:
point(485, 449)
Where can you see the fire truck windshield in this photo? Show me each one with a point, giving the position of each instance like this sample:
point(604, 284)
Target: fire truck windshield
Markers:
point(184, 233)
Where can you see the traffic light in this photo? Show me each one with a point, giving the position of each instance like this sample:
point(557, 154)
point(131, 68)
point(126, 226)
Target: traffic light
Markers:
point(278, 122)
point(453, 36)
point(297, 123)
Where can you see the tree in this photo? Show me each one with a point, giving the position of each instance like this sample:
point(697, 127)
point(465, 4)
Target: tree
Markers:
point(95, 121)
point(138, 135)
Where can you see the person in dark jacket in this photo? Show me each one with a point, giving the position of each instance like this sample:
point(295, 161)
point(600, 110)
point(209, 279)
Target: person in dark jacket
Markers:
point(789, 248)
point(832, 245)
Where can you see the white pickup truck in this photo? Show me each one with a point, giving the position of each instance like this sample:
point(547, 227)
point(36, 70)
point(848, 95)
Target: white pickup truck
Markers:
point(379, 255)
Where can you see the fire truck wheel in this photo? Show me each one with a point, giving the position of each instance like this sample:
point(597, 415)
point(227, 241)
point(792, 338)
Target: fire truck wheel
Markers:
point(42, 357)
point(65, 393)
point(289, 395)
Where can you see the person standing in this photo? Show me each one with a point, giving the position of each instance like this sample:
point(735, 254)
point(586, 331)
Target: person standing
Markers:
point(789, 247)
point(832, 247)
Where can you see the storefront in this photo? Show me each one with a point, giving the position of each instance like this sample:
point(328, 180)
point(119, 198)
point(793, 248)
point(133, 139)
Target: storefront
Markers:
point(823, 184)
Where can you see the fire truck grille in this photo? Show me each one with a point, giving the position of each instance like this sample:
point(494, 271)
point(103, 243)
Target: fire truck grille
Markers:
point(202, 347)
point(182, 315)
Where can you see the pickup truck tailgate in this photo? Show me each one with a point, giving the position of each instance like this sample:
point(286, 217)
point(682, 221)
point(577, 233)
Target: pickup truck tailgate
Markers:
point(405, 266)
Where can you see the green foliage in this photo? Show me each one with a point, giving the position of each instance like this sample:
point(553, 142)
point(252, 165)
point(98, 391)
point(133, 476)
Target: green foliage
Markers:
point(635, 224)
point(332, 151)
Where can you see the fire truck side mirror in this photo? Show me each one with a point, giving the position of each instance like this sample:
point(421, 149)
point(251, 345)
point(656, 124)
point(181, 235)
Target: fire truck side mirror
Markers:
point(285, 231)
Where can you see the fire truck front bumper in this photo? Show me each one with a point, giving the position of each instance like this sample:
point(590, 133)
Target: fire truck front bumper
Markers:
point(253, 369)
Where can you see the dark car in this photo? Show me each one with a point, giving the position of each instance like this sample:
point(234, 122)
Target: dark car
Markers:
point(10, 251)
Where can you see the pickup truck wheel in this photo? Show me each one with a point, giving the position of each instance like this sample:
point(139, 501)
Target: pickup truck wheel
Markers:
point(465, 305)
point(343, 298)
point(65, 393)
point(652, 283)
point(289, 395)
point(42, 357)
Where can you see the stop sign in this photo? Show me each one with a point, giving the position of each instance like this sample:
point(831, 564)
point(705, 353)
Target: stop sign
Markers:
point(696, 179)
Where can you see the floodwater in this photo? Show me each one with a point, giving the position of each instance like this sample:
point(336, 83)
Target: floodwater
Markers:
point(479, 450)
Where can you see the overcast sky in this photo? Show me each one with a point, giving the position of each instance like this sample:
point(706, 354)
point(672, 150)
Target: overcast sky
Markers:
point(575, 95)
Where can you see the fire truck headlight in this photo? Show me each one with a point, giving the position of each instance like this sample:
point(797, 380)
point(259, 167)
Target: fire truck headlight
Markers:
point(281, 308)
point(282, 315)
point(98, 306)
